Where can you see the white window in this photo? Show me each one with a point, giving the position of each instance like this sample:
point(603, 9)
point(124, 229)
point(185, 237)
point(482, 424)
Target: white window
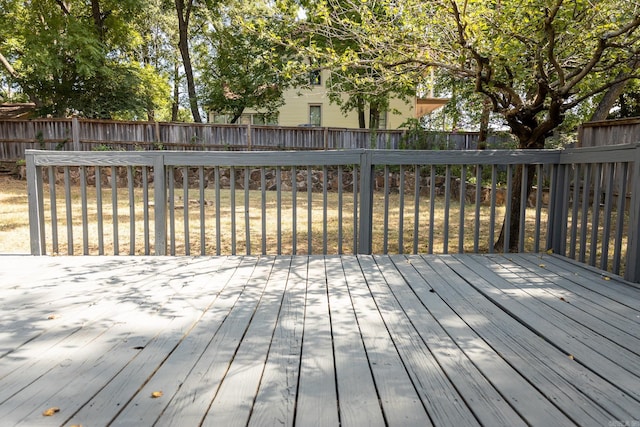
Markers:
point(315, 115)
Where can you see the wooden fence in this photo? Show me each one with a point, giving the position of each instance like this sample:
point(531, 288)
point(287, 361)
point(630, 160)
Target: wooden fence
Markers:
point(360, 201)
point(609, 132)
point(75, 134)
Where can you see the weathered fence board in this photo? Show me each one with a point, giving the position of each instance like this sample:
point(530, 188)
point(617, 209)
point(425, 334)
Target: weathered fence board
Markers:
point(76, 134)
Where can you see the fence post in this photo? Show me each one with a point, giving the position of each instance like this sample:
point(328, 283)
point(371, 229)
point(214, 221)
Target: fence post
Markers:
point(36, 205)
point(160, 204)
point(75, 133)
point(632, 270)
point(365, 232)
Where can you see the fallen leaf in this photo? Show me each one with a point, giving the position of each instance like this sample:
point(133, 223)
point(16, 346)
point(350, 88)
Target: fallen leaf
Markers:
point(52, 316)
point(156, 394)
point(51, 411)
point(550, 251)
point(571, 356)
point(541, 265)
point(606, 278)
point(562, 299)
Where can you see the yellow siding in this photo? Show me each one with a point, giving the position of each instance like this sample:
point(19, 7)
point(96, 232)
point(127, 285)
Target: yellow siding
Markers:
point(295, 111)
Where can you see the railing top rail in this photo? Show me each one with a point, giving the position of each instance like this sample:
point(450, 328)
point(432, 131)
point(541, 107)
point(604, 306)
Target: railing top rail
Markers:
point(91, 158)
point(263, 158)
point(610, 153)
point(600, 154)
point(454, 157)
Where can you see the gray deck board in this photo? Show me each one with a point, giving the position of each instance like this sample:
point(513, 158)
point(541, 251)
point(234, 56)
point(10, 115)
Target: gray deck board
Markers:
point(522, 339)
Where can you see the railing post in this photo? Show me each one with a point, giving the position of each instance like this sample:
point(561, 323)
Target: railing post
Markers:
point(632, 270)
point(160, 204)
point(554, 229)
point(365, 223)
point(36, 205)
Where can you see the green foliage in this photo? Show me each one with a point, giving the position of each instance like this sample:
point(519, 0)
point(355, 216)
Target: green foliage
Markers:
point(240, 65)
point(69, 60)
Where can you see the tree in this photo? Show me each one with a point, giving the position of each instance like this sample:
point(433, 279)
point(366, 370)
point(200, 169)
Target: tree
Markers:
point(74, 57)
point(535, 60)
point(184, 12)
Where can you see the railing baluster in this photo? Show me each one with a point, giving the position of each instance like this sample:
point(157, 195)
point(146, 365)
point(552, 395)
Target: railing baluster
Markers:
point(232, 184)
point(447, 203)
point(401, 212)
point(98, 177)
point(114, 209)
point(623, 176)
point(416, 207)
point(325, 170)
point(507, 210)
point(145, 209)
point(309, 211)
point(203, 203)
point(585, 212)
point(524, 182)
point(574, 211)
point(463, 197)
point(354, 181)
point(54, 210)
point(608, 211)
point(294, 211)
point(84, 209)
point(595, 215)
point(539, 196)
point(385, 217)
point(432, 206)
point(69, 209)
point(492, 208)
point(263, 193)
point(132, 212)
point(279, 210)
point(247, 225)
point(172, 212)
point(340, 207)
point(185, 209)
point(478, 201)
point(216, 174)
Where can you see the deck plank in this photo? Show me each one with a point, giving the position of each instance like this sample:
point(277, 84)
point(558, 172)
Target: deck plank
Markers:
point(576, 341)
point(275, 401)
point(234, 399)
point(496, 339)
point(196, 291)
point(400, 401)
point(567, 390)
point(317, 397)
point(486, 403)
point(442, 401)
point(359, 402)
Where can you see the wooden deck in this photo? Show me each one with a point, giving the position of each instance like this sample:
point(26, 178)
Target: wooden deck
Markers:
point(449, 340)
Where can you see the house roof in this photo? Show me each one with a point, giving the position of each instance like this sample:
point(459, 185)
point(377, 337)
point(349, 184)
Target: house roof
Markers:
point(425, 106)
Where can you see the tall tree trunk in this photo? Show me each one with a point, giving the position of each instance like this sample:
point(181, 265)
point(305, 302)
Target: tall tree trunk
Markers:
point(374, 116)
point(184, 13)
point(175, 105)
point(484, 123)
point(362, 123)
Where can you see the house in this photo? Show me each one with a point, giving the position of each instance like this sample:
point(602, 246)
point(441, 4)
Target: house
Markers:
point(311, 107)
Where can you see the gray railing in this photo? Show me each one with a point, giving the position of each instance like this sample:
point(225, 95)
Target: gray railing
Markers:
point(585, 203)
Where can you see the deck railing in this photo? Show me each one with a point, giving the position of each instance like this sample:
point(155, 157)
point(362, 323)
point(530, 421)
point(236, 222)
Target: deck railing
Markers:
point(585, 202)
